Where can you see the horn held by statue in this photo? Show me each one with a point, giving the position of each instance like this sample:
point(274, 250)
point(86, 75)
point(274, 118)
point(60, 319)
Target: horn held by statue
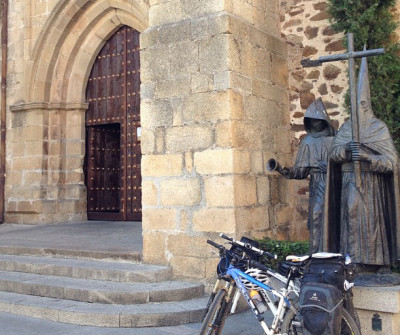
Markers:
point(272, 165)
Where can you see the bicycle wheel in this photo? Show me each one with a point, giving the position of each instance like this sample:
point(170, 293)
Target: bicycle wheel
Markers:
point(349, 326)
point(216, 315)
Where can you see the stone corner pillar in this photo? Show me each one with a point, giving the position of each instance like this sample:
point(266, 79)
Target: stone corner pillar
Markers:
point(45, 153)
point(214, 109)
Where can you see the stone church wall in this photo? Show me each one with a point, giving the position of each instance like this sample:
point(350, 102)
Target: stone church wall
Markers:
point(222, 92)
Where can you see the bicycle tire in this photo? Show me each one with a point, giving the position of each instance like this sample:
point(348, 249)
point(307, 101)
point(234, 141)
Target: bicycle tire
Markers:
point(218, 309)
point(349, 325)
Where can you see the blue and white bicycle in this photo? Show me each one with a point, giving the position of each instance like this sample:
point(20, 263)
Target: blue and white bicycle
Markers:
point(240, 273)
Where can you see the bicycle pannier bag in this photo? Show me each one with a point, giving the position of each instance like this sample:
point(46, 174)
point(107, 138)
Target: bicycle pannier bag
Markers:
point(330, 271)
point(321, 309)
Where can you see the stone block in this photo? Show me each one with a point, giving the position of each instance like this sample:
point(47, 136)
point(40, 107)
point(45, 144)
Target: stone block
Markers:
point(246, 135)
point(154, 64)
point(263, 192)
point(184, 59)
point(241, 8)
point(157, 219)
point(161, 165)
point(245, 190)
point(27, 163)
point(188, 138)
point(179, 10)
point(257, 162)
point(214, 220)
point(154, 247)
point(75, 148)
point(189, 162)
point(279, 70)
point(160, 140)
point(251, 220)
point(188, 267)
point(242, 57)
point(206, 107)
point(214, 162)
point(33, 148)
point(148, 142)
point(149, 193)
point(173, 87)
point(219, 191)
point(32, 177)
point(191, 246)
point(201, 83)
point(224, 137)
point(175, 33)
point(383, 301)
point(214, 54)
point(156, 113)
point(180, 192)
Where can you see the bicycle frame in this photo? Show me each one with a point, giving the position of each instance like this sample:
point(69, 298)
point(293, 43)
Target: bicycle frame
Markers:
point(284, 303)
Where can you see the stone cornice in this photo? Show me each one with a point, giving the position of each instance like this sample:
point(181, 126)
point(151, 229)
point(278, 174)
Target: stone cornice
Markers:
point(44, 105)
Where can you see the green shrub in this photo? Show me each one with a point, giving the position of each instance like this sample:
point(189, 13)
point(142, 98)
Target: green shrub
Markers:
point(283, 249)
point(373, 24)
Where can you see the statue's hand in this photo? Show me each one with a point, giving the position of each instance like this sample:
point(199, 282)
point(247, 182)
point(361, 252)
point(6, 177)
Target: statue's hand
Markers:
point(283, 170)
point(357, 153)
point(322, 166)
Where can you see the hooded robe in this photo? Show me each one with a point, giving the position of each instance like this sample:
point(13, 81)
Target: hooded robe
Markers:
point(368, 224)
point(313, 153)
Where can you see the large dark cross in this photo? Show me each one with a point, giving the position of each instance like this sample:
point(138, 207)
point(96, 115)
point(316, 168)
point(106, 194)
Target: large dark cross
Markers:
point(350, 56)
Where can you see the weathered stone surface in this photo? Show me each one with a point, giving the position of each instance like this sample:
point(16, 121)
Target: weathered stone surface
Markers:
point(306, 98)
point(323, 90)
point(335, 46)
point(162, 165)
point(292, 23)
point(311, 32)
point(308, 51)
point(322, 6)
point(331, 72)
point(222, 161)
point(214, 220)
point(337, 89)
point(181, 139)
point(180, 192)
point(328, 31)
point(313, 74)
point(320, 16)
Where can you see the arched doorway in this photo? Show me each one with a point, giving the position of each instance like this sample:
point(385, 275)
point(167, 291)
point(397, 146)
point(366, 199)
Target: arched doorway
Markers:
point(112, 160)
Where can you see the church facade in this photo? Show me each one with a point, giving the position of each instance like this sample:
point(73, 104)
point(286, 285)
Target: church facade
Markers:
point(165, 112)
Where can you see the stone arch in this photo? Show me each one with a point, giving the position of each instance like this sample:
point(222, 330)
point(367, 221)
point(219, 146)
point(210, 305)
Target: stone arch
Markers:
point(69, 43)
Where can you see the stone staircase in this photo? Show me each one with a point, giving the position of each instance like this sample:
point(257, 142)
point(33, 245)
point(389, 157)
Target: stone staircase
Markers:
point(95, 292)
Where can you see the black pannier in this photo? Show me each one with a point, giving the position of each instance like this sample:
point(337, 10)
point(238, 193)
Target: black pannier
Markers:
point(321, 309)
point(330, 271)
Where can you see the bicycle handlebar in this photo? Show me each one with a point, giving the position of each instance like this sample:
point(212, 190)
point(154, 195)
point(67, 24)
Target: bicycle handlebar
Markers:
point(216, 245)
point(248, 246)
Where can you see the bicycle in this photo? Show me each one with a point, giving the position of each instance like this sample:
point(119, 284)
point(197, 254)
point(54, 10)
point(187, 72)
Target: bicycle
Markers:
point(240, 272)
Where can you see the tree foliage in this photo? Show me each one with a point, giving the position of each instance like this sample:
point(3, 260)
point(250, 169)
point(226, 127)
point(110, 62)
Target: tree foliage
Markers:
point(373, 24)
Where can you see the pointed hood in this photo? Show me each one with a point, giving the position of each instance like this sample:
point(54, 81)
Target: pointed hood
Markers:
point(364, 107)
point(317, 110)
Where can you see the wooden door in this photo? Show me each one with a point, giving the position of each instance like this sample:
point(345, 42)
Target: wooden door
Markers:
point(112, 164)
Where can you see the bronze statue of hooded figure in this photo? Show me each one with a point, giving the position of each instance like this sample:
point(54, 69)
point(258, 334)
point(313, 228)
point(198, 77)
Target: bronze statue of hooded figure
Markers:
point(311, 160)
point(368, 215)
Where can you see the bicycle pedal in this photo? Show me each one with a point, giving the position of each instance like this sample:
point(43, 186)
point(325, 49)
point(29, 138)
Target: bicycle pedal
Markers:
point(297, 324)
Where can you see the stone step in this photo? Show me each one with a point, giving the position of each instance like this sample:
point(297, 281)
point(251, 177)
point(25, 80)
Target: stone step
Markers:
point(127, 272)
point(70, 253)
point(97, 291)
point(104, 315)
